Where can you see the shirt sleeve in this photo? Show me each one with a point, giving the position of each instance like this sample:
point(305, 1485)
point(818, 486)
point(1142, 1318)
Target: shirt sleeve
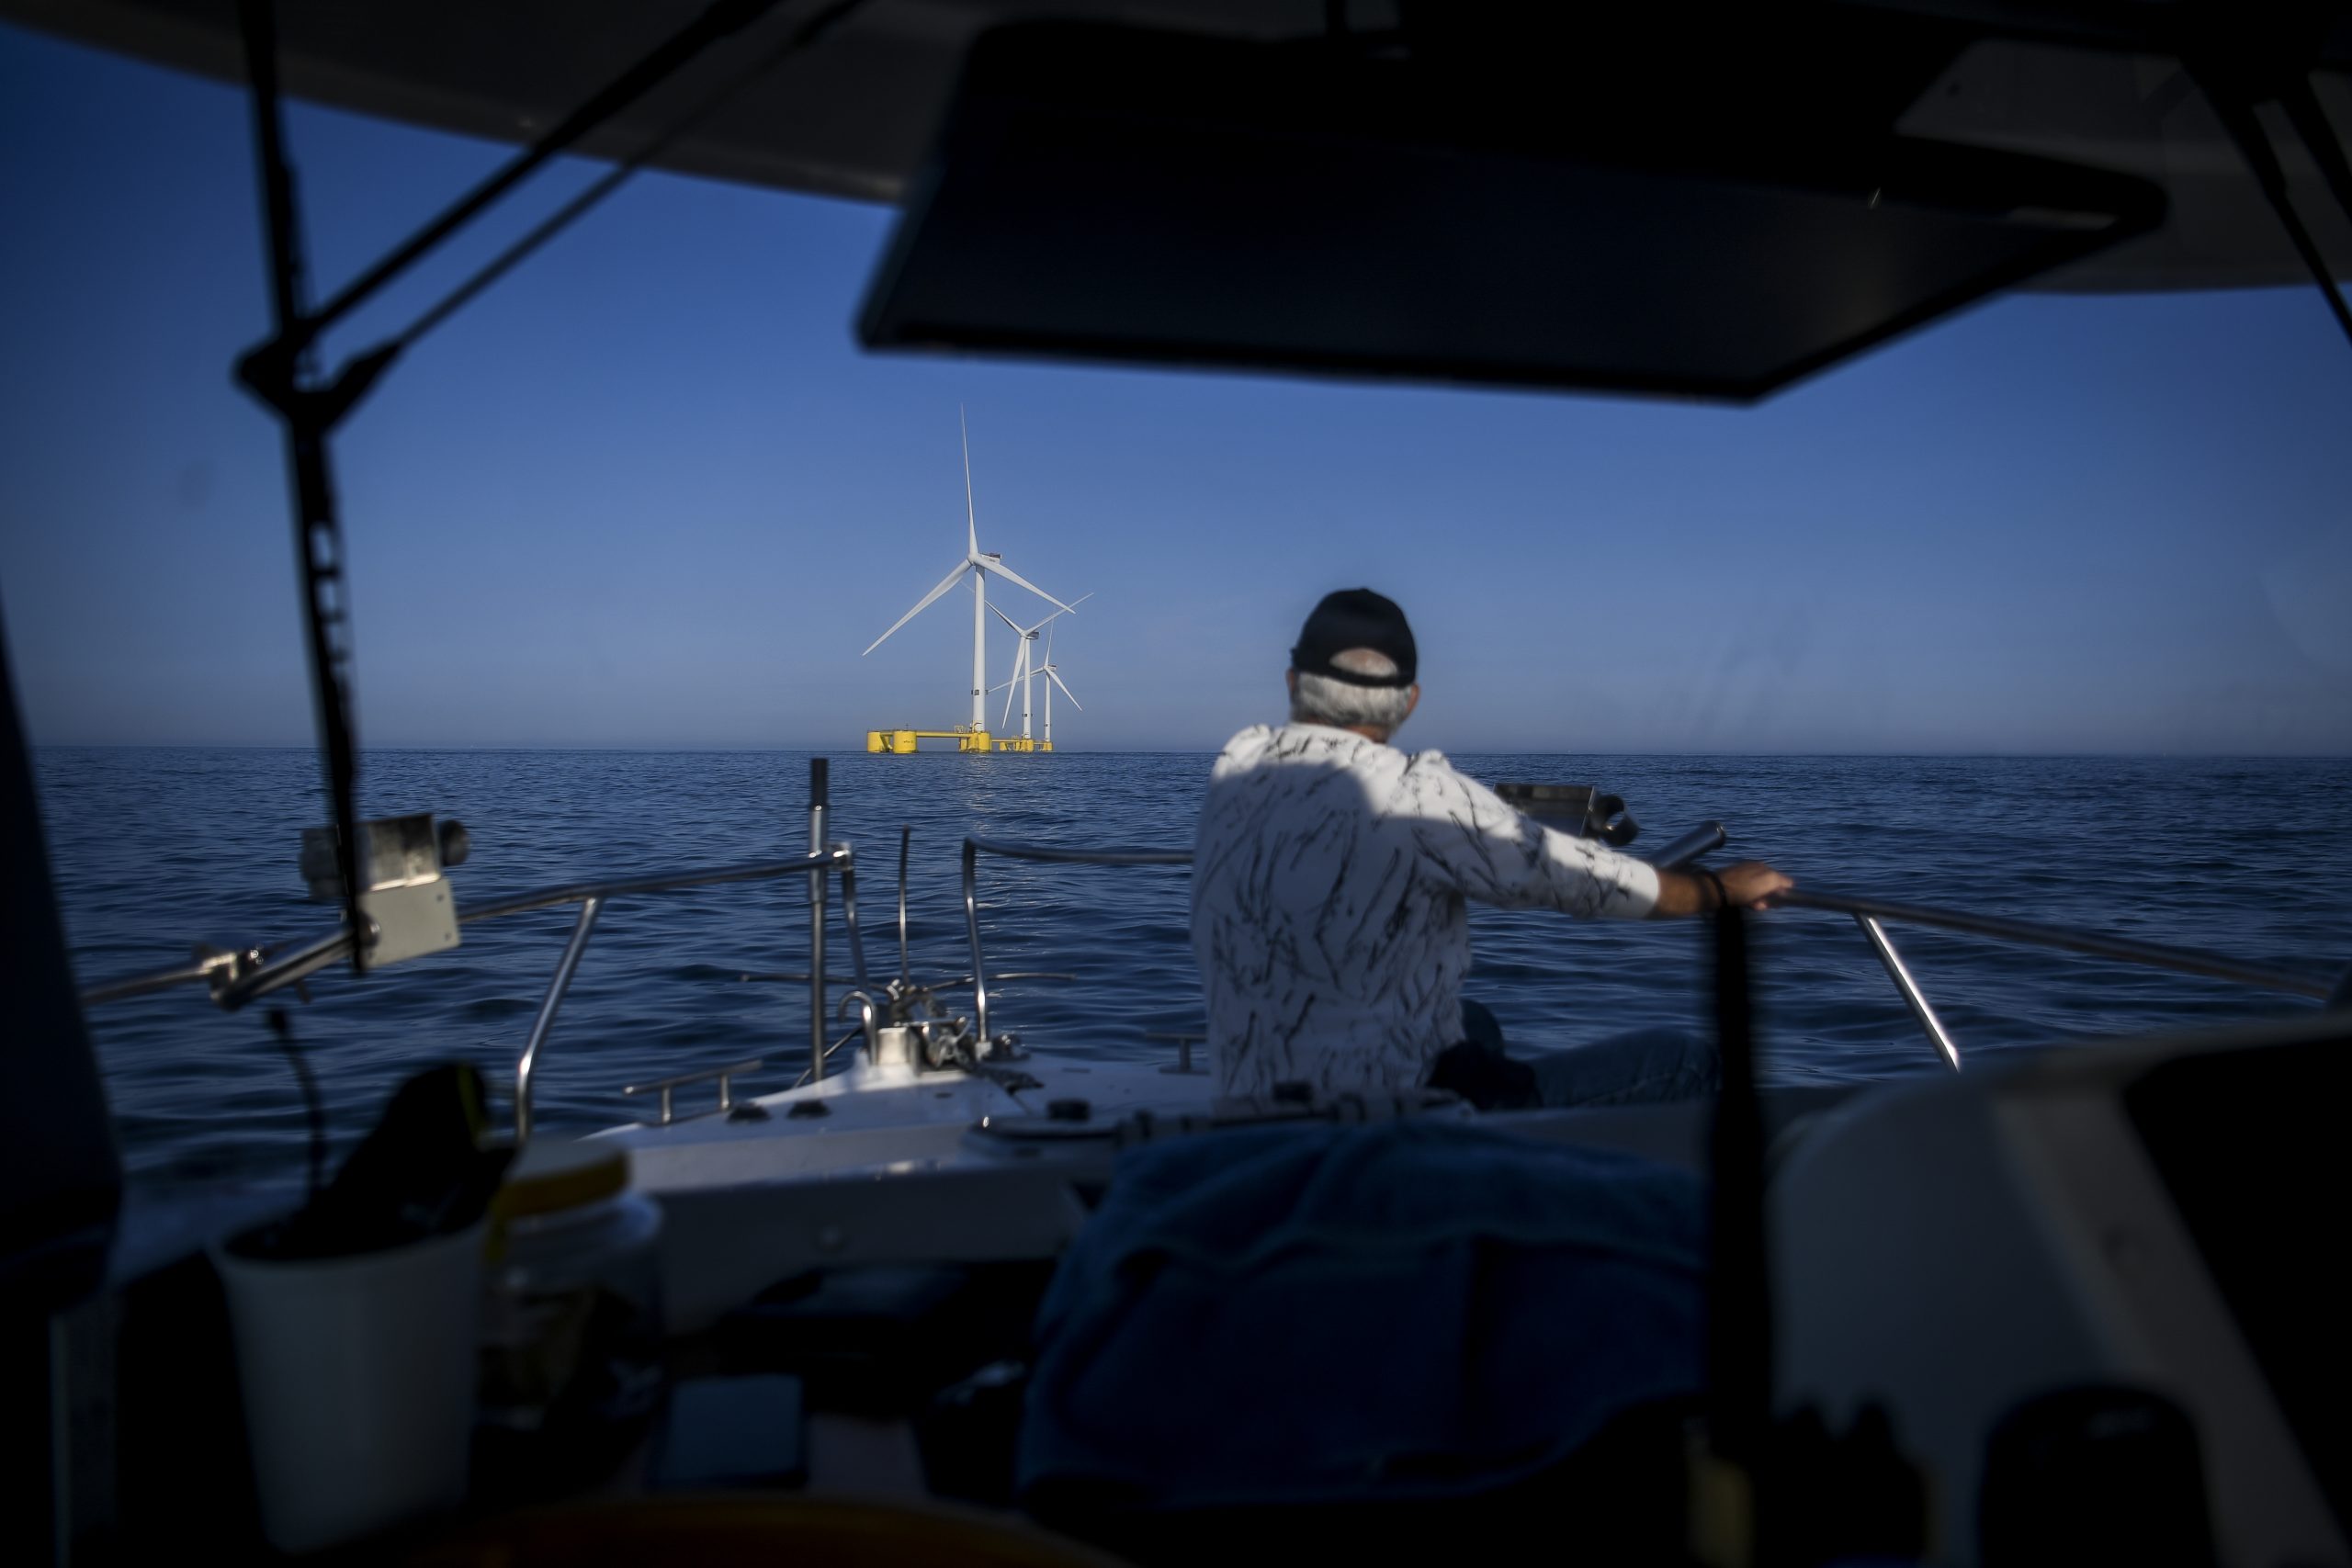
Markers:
point(1474, 843)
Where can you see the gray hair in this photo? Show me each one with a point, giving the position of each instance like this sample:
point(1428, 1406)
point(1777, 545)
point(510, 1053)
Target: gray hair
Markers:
point(1323, 700)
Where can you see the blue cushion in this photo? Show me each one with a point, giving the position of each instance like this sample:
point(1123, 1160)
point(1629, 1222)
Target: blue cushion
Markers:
point(1312, 1315)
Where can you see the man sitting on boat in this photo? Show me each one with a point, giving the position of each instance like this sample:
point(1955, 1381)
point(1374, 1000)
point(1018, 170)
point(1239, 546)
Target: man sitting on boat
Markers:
point(1329, 885)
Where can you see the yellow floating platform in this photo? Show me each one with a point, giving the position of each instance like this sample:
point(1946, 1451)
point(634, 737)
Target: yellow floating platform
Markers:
point(906, 742)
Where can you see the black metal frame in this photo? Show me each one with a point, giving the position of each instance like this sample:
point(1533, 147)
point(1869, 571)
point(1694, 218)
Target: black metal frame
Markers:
point(282, 371)
point(2243, 57)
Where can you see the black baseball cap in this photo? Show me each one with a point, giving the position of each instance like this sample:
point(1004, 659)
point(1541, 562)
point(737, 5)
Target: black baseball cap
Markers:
point(1356, 617)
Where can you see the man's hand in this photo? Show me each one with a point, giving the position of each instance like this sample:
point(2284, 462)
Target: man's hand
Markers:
point(1753, 883)
point(1750, 883)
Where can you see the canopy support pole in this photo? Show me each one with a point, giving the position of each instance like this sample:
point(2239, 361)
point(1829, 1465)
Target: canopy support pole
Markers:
point(282, 371)
point(308, 413)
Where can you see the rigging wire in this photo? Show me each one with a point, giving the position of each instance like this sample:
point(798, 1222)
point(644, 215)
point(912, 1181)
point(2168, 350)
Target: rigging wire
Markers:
point(578, 207)
point(718, 20)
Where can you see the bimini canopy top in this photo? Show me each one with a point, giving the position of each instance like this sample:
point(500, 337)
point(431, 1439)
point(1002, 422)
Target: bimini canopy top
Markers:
point(1704, 200)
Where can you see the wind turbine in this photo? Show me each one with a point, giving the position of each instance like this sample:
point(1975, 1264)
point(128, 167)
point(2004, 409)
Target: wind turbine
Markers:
point(979, 564)
point(1053, 674)
point(1024, 668)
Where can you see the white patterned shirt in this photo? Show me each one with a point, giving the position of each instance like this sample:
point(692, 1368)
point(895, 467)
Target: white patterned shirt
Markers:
point(1328, 884)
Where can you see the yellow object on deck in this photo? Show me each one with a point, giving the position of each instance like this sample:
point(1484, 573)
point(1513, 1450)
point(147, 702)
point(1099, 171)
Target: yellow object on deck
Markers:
point(904, 742)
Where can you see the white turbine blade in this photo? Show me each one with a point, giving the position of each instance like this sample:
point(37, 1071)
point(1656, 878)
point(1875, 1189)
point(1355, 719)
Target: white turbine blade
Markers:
point(1008, 620)
point(1068, 609)
point(1054, 676)
point(1049, 646)
point(1020, 673)
point(928, 599)
point(971, 518)
point(1000, 685)
point(1003, 571)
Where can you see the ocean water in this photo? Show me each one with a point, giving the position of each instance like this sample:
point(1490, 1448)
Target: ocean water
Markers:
point(156, 850)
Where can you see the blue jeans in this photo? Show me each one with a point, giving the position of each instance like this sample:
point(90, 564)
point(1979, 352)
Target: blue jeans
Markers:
point(1640, 1067)
point(1635, 1068)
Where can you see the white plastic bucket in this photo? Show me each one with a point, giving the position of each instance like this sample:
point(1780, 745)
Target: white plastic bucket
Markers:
point(358, 1380)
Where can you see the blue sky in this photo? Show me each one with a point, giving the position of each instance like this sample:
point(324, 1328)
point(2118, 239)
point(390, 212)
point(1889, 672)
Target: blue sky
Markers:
point(648, 492)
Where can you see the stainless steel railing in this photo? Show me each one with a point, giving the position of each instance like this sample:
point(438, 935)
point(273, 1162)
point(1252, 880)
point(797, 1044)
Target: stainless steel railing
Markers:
point(1705, 839)
point(244, 975)
point(208, 963)
point(1049, 854)
point(1922, 1012)
point(2183, 960)
point(1869, 915)
point(667, 1088)
point(238, 977)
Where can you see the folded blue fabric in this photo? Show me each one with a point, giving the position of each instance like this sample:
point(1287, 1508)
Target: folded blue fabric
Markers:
point(1315, 1315)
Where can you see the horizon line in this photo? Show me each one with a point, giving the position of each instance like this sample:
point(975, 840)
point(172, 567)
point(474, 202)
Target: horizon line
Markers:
point(705, 748)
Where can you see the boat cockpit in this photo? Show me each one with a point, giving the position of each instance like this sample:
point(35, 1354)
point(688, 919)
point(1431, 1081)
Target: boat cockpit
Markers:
point(950, 1286)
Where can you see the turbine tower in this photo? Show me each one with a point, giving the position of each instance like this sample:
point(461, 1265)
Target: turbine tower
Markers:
point(1025, 670)
point(979, 564)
